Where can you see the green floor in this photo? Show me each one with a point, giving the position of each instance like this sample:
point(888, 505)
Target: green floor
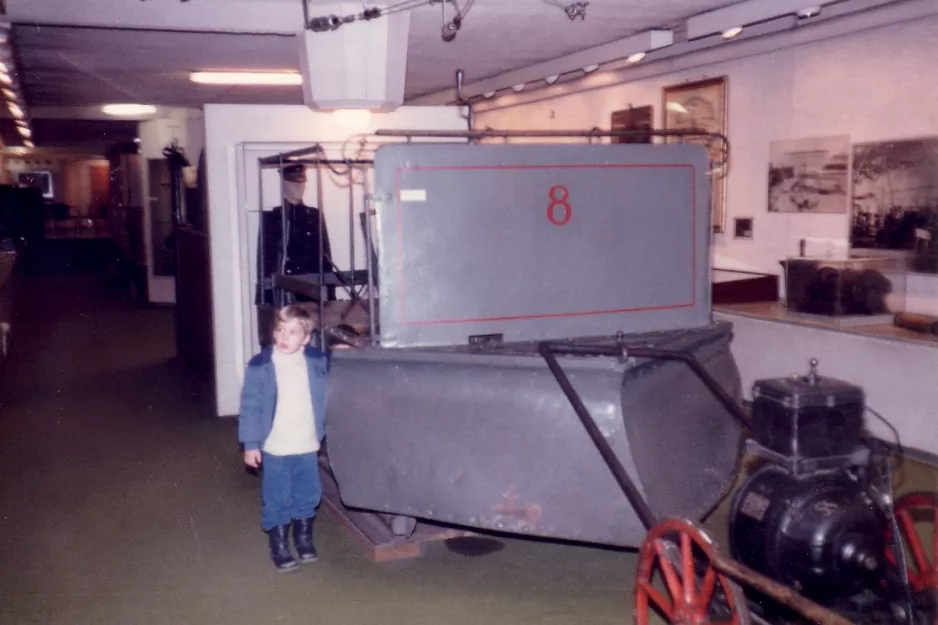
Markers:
point(125, 502)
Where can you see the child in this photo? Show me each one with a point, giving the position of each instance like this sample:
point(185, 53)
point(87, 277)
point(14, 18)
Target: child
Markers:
point(282, 424)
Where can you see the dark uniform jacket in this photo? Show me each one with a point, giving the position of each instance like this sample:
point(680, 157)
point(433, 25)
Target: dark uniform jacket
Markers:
point(302, 253)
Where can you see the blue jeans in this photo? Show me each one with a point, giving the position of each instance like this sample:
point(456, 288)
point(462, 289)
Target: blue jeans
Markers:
point(290, 488)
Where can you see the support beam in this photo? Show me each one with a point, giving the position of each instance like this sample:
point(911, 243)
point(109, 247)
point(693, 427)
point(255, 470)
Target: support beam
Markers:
point(281, 17)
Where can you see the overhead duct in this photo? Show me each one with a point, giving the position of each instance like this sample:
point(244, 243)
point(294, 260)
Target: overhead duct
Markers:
point(361, 64)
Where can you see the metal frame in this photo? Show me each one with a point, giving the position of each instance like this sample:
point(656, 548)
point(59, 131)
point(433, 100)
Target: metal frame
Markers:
point(315, 155)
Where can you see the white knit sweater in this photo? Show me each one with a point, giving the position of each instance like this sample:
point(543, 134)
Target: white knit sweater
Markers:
point(294, 430)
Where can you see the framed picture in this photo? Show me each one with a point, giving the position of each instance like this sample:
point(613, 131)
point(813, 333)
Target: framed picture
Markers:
point(634, 119)
point(895, 200)
point(701, 106)
point(809, 175)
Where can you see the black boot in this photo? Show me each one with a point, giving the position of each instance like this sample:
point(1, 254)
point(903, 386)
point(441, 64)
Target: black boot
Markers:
point(303, 537)
point(279, 538)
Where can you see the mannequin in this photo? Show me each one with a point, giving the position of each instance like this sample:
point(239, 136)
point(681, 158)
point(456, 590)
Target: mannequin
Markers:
point(302, 238)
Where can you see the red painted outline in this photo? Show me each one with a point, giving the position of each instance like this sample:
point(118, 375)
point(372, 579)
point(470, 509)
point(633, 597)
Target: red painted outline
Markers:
point(400, 240)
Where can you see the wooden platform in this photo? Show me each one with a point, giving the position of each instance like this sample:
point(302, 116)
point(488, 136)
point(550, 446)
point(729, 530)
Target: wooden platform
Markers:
point(373, 533)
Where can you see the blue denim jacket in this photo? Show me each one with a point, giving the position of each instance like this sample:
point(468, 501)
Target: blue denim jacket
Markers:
point(259, 396)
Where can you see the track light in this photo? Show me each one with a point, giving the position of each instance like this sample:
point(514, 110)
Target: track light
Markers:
point(589, 69)
point(635, 58)
point(729, 33)
point(552, 79)
point(488, 95)
point(518, 88)
point(809, 12)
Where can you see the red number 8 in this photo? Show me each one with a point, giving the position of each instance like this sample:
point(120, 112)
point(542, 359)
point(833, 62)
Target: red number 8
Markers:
point(555, 201)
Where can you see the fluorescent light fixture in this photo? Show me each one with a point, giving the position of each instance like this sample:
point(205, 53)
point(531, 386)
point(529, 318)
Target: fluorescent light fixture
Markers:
point(26, 133)
point(729, 33)
point(635, 58)
point(246, 78)
point(15, 110)
point(552, 79)
point(745, 13)
point(589, 69)
point(128, 110)
point(352, 118)
point(517, 88)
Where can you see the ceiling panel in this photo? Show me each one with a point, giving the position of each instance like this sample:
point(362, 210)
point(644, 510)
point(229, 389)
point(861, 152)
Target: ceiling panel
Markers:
point(66, 66)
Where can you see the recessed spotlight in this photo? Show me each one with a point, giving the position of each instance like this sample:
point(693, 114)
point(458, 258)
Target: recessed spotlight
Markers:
point(635, 58)
point(589, 69)
point(128, 110)
point(517, 88)
point(552, 79)
point(809, 12)
point(729, 33)
point(246, 78)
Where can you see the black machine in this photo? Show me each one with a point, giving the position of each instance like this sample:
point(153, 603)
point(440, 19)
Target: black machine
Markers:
point(817, 514)
point(813, 524)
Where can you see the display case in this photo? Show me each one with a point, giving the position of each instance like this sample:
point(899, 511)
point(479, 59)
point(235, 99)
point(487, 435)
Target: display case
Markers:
point(854, 289)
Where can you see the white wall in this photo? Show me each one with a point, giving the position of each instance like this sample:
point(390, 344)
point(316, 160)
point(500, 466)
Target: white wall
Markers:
point(235, 135)
point(898, 376)
point(873, 85)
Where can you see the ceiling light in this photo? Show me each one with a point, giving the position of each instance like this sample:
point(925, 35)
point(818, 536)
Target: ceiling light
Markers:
point(809, 12)
point(729, 33)
point(15, 110)
point(25, 132)
point(552, 79)
point(9, 94)
point(488, 95)
point(635, 58)
point(128, 110)
point(5, 78)
point(22, 123)
point(246, 78)
point(28, 143)
point(589, 69)
point(352, 118)
point(518, 88)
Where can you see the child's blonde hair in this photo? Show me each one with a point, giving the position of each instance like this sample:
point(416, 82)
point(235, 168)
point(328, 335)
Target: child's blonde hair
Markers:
point(294, 312)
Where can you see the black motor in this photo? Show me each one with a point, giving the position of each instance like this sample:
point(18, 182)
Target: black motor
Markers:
point(821, 534)
point(810, 517)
